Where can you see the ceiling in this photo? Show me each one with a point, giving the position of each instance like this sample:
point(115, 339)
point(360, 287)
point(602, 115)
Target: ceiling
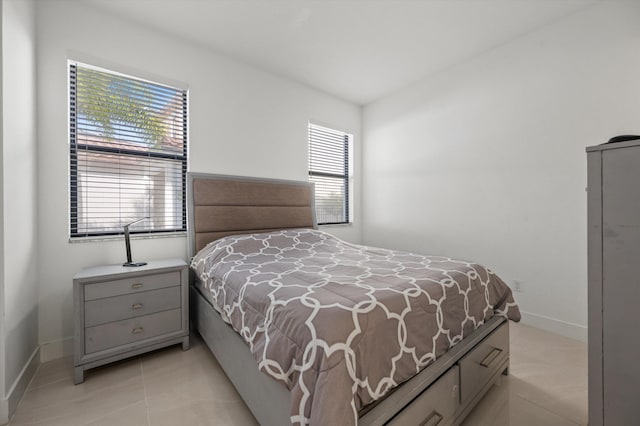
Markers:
point(358, 50)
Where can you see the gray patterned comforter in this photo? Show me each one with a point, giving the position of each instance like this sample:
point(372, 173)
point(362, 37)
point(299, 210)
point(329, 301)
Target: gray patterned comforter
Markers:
point(341, 324)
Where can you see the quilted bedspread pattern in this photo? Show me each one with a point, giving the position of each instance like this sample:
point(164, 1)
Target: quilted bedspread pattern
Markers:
point(342, 324)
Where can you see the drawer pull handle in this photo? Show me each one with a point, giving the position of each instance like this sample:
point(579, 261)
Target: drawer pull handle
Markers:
point(136, 285)
point(136, 306)
point(137, 330)
point(486, 362)
point(434, 419)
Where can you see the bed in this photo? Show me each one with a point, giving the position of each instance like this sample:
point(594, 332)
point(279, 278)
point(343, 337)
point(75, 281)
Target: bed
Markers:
point(281, 305)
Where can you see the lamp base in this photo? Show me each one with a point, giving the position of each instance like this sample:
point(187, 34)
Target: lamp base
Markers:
point(134, 264)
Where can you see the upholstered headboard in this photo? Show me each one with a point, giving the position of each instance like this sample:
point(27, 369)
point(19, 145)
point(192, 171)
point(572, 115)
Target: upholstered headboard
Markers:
point(220, 205)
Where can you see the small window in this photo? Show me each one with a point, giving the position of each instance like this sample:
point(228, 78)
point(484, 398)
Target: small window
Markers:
point(128, 154)
point(329, 170)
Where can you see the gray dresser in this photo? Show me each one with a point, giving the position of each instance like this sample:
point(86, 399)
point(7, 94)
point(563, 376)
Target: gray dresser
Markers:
point(121, 312)
point(614, 283)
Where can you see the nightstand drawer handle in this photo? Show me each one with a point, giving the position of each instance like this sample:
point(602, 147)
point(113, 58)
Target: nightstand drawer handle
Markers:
point(136, 306)
point(137, 330)
point(137, 285)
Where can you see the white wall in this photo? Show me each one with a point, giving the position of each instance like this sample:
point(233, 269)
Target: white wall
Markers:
point(486, 161)
point(20, 302)
point(242, 122)
point(4, 406)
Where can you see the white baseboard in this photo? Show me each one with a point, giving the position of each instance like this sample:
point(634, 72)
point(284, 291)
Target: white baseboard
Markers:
point(9, 404)
point(56, 349)
point(567, 329)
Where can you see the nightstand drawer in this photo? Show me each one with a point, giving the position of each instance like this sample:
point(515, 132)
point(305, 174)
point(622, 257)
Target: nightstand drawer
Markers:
point(130, 285)
point(126, 331)
point(102, 311)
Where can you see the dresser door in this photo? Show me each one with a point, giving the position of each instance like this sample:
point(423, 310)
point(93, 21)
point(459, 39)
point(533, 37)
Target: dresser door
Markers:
point(621, 284)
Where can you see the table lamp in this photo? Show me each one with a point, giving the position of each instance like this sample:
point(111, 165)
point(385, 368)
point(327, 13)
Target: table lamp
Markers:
point(129, 262)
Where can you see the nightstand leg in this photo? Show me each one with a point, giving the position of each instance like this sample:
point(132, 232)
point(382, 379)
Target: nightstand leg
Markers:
point(78, 375)
point(185, 343)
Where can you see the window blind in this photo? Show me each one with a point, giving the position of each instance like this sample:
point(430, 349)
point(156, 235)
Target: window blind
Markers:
point(128, 154)
point(329, 170)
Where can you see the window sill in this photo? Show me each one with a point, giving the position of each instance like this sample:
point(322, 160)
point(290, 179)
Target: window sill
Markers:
point(75, 240)
point(336, 225)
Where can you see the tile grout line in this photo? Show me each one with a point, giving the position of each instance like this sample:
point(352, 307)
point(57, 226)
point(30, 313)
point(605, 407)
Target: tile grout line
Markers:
point(146, 399)
point(548, 410)
point(92, 421)
point(27, 389)
point(24, 394)
point(57, 381)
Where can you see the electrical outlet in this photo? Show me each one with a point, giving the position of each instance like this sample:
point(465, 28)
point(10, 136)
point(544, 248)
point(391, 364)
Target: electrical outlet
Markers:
point(518, 286)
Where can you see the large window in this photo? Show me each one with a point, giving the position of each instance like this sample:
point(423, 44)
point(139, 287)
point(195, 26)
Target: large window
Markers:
point(329, 170)
point(128, 154)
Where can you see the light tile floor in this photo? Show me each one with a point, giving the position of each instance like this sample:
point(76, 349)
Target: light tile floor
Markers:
point(547, 386)
point(547, 383)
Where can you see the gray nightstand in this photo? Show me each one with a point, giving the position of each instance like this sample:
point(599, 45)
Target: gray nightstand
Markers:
point(121, 312)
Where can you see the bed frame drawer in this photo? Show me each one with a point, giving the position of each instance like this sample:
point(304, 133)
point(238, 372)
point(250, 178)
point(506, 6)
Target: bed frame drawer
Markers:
point(487, 359)
point(435, 406)
point(118, 333)
point(130, 285)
